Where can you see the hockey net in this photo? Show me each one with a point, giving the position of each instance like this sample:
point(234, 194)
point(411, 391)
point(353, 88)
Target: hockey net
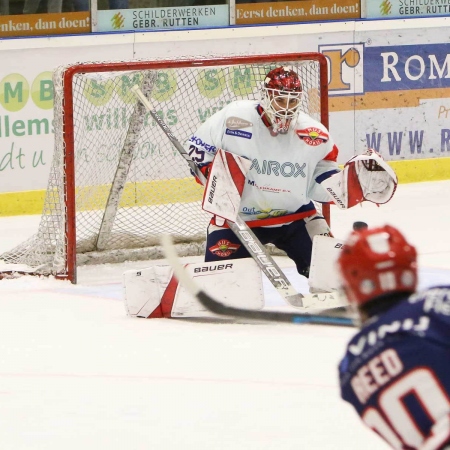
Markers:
point(116, 183)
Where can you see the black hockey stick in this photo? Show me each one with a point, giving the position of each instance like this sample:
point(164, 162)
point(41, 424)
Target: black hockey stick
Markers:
point(248, 238)
point(330, 317)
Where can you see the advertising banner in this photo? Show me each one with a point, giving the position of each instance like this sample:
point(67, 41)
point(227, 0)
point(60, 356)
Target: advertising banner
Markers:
point(163, 18)
point(44, 24)
point(405, 8)
point(296, 11)
point(391, 93)
point(398, 95)
point(26, 129)
point(26, 105)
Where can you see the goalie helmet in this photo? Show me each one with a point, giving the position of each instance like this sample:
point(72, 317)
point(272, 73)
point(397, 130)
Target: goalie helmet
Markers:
point(281, 95)
point(376, 262)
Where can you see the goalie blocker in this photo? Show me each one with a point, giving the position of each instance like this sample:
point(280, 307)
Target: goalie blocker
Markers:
point(224, 185)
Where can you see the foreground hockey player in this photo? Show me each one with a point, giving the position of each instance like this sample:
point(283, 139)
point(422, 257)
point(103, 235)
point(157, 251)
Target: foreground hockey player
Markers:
point(292, 161)
point(396, 372)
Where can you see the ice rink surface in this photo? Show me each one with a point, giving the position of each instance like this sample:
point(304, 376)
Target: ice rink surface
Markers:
point(77, 373)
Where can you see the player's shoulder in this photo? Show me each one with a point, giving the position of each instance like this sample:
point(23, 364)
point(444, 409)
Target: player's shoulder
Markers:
point(242, 106)
point(425, 314)
point(442, 290)
point(306, 121)
point(314, 134)
point(433, 301)
point(430, 302)
point(239, 114)
point(413, 314)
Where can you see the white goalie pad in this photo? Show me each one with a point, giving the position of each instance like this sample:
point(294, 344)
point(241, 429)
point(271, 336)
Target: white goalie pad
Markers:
point(226, 181)
point(323, 273)
point(154, 292)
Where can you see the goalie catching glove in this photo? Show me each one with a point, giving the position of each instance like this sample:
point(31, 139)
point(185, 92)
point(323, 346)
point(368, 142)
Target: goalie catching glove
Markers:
point(366, 177)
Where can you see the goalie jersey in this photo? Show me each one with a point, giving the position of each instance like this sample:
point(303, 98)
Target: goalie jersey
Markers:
point(396, 372)
point(286, 169)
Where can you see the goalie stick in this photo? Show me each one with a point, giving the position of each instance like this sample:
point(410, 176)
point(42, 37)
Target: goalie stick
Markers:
point(256, 249)
point(330, 317)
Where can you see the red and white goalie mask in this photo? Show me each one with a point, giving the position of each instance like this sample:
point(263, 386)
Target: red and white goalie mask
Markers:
point(281, 96)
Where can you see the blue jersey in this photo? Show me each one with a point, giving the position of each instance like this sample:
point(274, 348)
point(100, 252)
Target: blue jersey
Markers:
point(396, 372)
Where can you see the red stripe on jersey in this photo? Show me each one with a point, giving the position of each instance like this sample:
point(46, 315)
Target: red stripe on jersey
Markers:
point(236, 173)
point(272, 221)
point(332, 156)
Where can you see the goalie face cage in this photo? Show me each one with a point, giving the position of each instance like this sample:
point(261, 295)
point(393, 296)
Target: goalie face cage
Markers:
point(116, 183)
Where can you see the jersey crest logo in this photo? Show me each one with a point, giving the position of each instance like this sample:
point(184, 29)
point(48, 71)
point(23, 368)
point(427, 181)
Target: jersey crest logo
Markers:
point(236, 123)
point(312, 136)
point(224, 248)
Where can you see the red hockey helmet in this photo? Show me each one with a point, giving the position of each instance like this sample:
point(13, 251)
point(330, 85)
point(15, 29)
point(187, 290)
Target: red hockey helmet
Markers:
point(281, 95)
point(375, 262)
point(283, 80)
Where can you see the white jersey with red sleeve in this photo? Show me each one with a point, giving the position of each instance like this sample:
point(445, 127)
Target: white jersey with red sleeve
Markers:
point(286, 169)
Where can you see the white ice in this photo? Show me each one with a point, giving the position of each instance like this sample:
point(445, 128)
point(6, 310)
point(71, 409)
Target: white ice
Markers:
point(77, 373)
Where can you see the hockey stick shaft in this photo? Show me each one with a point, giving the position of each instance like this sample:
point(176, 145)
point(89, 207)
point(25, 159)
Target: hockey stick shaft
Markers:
point(253, 245)
point(267, 264)
point(221, 309)
point(175, 142)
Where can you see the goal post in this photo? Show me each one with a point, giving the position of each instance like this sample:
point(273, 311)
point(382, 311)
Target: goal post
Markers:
point(116, 183)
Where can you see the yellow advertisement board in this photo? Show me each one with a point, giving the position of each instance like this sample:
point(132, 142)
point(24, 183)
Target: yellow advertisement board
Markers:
point(45, 24)
point(297, 11)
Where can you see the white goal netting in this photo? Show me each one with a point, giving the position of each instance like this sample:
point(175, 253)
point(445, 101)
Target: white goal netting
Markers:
point(116, 182)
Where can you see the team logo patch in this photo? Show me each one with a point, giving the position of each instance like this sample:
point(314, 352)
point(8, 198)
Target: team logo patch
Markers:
point(312, 136)
point(224, 248)
point(236, 123)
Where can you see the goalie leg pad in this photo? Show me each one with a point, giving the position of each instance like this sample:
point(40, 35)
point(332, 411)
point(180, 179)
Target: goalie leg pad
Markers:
point(143, 291)
point(323, 275)
point(317, 225)
point(155, 292)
